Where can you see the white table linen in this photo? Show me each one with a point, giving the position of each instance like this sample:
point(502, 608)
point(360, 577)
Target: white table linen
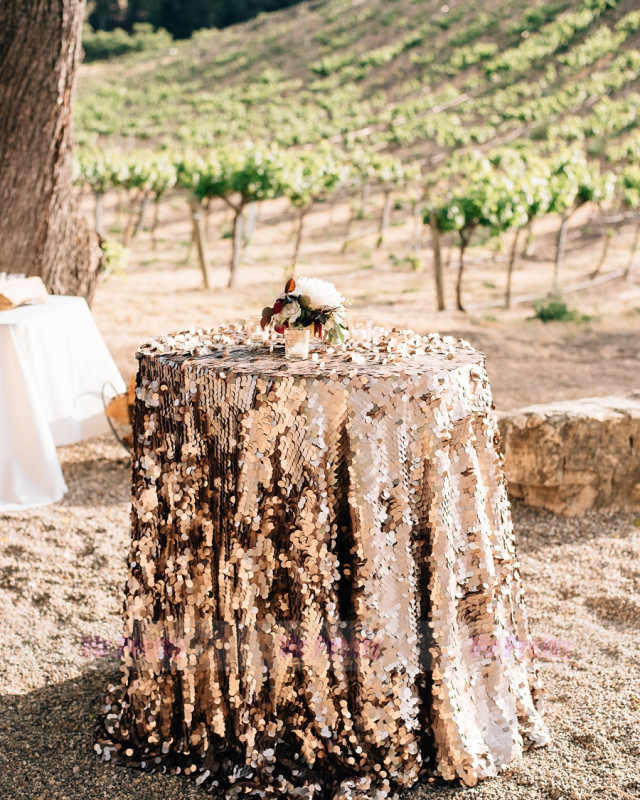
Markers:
point(53, 367)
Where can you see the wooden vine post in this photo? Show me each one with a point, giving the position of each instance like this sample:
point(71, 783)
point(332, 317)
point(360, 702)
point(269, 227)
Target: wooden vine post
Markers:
point(437, 261)
point(512, 261)
point(199, 236)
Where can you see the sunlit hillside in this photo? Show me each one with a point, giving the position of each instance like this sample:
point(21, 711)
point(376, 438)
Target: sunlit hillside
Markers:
point(477, 119)
point(418, 77)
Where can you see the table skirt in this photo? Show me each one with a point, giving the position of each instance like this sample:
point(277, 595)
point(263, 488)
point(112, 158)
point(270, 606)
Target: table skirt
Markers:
point(324, 598)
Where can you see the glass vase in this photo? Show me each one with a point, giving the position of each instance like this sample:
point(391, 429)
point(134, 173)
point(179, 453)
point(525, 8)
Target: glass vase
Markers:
point(256, 334)
point(296, 344)
point(360, 328)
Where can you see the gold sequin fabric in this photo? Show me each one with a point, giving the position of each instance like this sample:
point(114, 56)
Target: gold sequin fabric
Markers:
point(323, 597)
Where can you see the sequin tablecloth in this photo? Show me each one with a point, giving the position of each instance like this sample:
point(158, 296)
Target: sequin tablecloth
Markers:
point(323, 597)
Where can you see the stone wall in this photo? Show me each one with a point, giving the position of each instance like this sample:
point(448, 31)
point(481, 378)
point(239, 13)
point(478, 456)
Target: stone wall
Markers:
point(575, 455)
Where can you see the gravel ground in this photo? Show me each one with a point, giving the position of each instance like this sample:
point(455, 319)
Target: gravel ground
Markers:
point(62, 571)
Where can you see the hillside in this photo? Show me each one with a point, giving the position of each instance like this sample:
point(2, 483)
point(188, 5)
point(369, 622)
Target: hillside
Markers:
point(416, 77)
point(479, 120)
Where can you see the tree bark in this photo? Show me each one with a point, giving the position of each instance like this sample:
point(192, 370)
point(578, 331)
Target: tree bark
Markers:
point(606, 239)
point(192, 241)
point(302, 212)
point(156, 221)
point(252, 221)
point(130, 224)
point(200, 239)
point(237, 248)
point(512, 263)
point(386, 217)
point(560, 245)
point(41, 232)
point(99, 197)
point(417, 226)
point(529, 242)
point(634, 248)
point(437, 262)
point(364, 198)
point(464, 241)
point(144, 205)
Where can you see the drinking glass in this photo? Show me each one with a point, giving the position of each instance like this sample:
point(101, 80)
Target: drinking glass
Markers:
point(255, 333)
point(296, 344)
point(360, 328)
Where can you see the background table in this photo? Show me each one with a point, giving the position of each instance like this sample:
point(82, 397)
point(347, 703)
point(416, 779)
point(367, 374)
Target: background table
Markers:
point(53, 366)
point(323, 597)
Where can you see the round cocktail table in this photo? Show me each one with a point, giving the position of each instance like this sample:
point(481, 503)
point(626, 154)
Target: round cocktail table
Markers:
point(323, 595)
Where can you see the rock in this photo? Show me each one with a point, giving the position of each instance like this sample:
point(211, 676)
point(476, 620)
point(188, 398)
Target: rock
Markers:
point(575, 455)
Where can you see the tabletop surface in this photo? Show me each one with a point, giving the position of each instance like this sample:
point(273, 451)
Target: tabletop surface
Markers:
point(21, 314)
point(225, 350)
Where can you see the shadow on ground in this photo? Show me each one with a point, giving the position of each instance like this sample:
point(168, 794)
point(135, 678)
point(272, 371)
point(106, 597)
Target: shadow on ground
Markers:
point(46, 747)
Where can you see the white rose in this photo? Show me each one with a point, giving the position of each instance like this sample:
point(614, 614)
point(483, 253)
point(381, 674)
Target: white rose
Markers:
point(291, 311)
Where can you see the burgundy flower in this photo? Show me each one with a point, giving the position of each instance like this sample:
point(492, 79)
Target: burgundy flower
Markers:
point(277, 307)
point(278, 328)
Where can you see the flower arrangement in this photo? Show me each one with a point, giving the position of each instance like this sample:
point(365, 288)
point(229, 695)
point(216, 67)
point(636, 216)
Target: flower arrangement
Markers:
point(305, 303)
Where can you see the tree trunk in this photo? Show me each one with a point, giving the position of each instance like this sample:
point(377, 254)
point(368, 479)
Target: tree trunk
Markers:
point(605, 244)
point(364, 198)
point(41, 232)
point(417, 227)
point(200, 239)
point(100, 213)
point(252, 221)
point(237, 248)
point(386, 217)
point(634, 249)
point(130, 224)
point(464, 241)
point(156, 221)
point(512, 263)
point(206, 216)
point(529, 242)
point(296, 252)
point(437, 262)
point(144, 205)
point(560, 244)
point(192, 241)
